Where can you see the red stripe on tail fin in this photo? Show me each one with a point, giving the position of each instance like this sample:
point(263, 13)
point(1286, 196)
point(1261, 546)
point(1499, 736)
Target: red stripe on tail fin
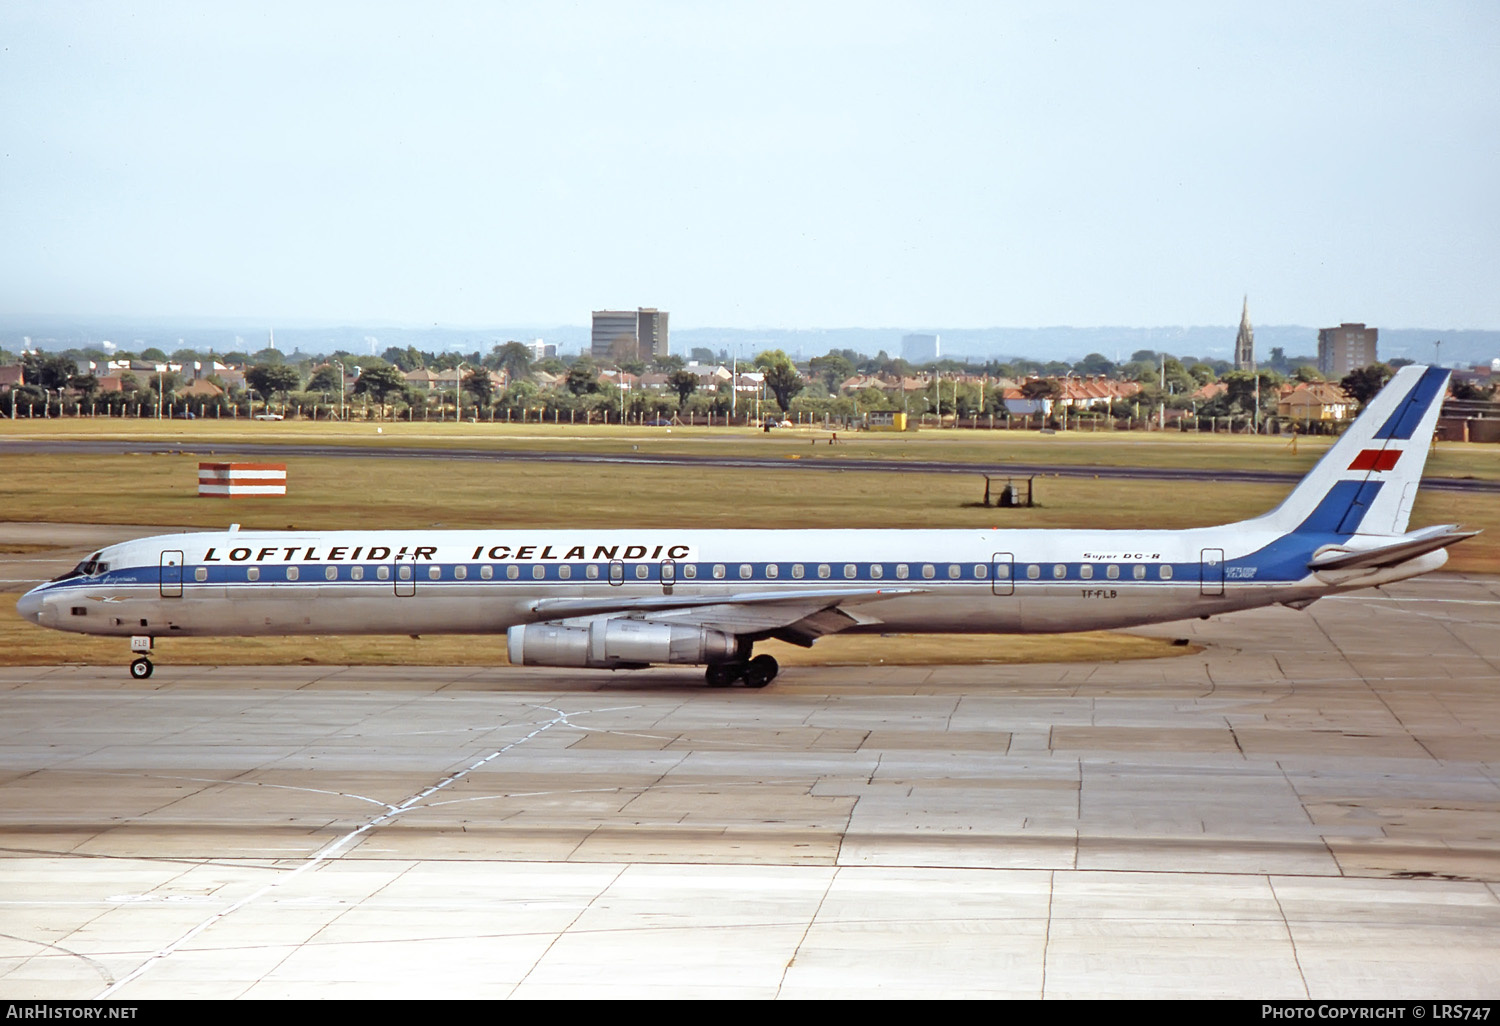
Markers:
point(1376, 459)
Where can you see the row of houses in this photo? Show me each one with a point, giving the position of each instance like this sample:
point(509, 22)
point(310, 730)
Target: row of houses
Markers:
point(1317, 401)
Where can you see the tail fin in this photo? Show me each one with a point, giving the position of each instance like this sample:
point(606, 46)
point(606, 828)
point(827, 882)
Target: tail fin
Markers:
point(1367, 483)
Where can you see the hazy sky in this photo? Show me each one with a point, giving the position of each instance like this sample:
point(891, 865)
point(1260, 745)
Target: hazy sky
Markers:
point(753, 164)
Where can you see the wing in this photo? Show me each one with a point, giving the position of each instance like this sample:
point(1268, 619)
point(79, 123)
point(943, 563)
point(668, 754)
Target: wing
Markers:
point(795, 616)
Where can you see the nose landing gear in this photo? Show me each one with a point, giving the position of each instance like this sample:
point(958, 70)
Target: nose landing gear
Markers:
point(141, 667)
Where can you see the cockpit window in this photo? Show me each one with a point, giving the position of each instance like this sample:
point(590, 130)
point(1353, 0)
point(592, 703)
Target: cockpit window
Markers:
point(88, 568)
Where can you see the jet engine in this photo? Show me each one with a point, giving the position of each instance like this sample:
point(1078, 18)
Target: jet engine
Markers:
point(616, 644)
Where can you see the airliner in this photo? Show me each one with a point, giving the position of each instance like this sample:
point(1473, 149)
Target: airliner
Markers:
point(625, 599)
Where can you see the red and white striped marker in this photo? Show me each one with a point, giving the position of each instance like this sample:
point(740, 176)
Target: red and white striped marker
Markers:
point(233, 480)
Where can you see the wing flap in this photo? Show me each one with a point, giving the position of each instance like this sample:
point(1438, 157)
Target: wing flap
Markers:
point(811, 600)
point(799, 617)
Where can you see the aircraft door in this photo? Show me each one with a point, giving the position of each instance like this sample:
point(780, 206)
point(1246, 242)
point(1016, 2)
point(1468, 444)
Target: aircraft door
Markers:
point(1212, 573)
point(406, 576)
point(171, 574)
point(668, 575)
point(616, 573)
point(1002, 573)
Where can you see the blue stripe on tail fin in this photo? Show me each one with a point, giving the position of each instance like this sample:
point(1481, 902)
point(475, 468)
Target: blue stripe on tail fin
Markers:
point(1403, 423)
point(1366, 483)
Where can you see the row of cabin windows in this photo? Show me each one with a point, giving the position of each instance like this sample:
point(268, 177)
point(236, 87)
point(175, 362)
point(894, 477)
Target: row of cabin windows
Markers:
point(1111, 572)
point(689, 572)
point(746, 570)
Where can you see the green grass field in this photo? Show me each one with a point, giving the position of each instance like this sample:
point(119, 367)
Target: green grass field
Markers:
point(24, 644)
point(1076, 448)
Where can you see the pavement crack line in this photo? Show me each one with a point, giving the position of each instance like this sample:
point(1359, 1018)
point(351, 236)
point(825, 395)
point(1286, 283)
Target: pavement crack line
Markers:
point(1291, 938)
point(807, 928)
point(327, 853)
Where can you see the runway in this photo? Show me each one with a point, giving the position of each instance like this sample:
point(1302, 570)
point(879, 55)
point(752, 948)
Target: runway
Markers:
point(813, 459)
point(1307, 809)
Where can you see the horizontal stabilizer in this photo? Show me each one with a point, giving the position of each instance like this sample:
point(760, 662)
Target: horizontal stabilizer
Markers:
point(1397, 550)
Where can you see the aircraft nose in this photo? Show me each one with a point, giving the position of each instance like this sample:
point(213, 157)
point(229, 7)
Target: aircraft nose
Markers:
point(29, 606)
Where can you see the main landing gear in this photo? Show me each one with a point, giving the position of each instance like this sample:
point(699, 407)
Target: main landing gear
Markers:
point(141, 667)
point(756, 673)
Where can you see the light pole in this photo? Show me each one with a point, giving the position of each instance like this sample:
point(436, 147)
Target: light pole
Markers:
point(458, 392)
point(340, 366)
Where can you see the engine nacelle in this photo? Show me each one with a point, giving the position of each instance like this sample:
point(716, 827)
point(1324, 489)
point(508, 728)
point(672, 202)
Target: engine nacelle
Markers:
point(611, 644)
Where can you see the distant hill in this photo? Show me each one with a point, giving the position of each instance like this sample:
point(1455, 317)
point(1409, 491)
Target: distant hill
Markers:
point(1065, 343)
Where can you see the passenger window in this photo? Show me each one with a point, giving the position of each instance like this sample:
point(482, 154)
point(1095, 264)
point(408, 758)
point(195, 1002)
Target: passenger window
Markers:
point(1060, 571)
point(877, 571)
point(953, 571)
point(460, 573)
point(901, 571)
point(404, 572)
point(980, 571)
point(291, 573)
point(252, 574)
point(929, 571)
point(642, 571)
point(1112, 572)
point(718, 571)
point(797, 571)
point(565, 572)
point(486, 572)
point(512, 572)
point(330, 574)
point(745, 571)
point(773, 571)
point(200, 574)
point(538, 573)
point(383, 572)
point(850, 570)
point(357, 573)
point(823, 571)
point(690, 570)
point(434, 573)
point(1086, 572)
point(1139, 572)
point(1166, 572)
point(1002, 571)
point(1033, 572)
point(592, 572)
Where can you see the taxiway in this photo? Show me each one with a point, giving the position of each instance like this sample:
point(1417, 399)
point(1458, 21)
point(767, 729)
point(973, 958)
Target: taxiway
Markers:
point(1308, 808)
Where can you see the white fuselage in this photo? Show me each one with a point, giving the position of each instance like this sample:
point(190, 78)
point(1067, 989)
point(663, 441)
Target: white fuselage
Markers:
point(483, 582)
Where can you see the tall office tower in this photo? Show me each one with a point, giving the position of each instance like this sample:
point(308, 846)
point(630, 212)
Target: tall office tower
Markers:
point(920, 348)
point(1345, 348)
point(614, 335)
point(1244, 342)
point(629, 335)
point(651, 333)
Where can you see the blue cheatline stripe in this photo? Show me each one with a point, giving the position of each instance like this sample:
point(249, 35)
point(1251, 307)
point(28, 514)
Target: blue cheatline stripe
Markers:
point(1403, 423)
point(1344, 505)
point(1341, 509)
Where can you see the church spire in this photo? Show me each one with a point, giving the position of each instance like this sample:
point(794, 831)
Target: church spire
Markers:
point(1244, 342)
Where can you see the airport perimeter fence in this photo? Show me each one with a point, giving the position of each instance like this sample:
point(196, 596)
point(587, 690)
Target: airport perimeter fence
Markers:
point(1465, 428)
